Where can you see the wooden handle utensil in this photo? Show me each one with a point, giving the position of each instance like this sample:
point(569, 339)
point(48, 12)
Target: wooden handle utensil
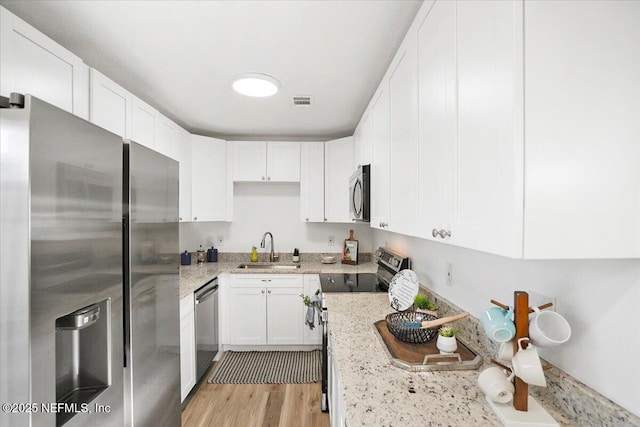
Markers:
point(430, 324)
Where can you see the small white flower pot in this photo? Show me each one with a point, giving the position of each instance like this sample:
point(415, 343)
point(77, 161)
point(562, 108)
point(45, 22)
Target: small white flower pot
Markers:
point(446, 344)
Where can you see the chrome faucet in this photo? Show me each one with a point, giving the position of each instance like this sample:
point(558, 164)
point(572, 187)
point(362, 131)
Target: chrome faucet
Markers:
point(272, 256)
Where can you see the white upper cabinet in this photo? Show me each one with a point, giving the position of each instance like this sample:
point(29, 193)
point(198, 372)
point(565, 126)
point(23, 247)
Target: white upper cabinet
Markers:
point(212, 185)
point(488, 155)
point(32, 63)
point(110, 105)
point(183, 142)
point(249, 161)
point(338, 167)
point(312, 181)
point(166, 137)
point(528, 138)
point(582, 121)
point(283, 161)
point(437, 127)
point(403, 148)
point(257, 161)
point(363, 141)
point(380, 160)
point(143, 123)
point(470, 151)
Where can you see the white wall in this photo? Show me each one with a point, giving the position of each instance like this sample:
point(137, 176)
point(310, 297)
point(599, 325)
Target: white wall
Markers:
point(599, 298)
point(274, 207)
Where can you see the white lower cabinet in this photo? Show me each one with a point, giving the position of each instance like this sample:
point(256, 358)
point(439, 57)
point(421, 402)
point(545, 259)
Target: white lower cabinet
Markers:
point(187, 346)
point(266, 309)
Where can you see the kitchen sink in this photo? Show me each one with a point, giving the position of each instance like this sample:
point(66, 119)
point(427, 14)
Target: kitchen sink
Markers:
point(269, 266)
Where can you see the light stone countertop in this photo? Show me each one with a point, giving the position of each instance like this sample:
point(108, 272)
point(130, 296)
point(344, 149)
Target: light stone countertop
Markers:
point(377, 394)
point(195, 275)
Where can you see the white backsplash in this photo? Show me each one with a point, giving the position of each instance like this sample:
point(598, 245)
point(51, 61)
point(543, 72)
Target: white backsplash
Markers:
point(599, 298)
point(274, 207)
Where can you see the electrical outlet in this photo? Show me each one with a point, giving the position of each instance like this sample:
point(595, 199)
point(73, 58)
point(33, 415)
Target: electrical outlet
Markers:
point(537, 299)
point(220, 240)
point(449, 274)
point(210, 241)
point(331, 241)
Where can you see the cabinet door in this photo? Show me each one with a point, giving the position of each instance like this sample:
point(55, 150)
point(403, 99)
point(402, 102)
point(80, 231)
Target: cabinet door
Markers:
point(489, 159)
point(437, 129)
point(311, 285)
point(285, 318)
point(403, 150)
point(166, 137)
point(32, 63)
point(380, 163)
point(363, 141)
point(582, 109)
point(339, 165)
point(143, 123)
point(283, 161)
point(183, 142)
point(248, 317)
point(249, 161)
point(312, 181)
point(211, 185)
point(110, 105)
point(187, 354)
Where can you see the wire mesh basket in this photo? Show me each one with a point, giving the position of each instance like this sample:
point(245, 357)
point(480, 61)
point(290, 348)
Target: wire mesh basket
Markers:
point(405, 325)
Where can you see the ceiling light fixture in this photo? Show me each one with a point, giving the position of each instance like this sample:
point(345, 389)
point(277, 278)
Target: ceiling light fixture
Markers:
point(255, 84)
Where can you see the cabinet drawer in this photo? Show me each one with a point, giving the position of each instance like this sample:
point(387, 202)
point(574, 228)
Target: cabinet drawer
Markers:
point(271, 280)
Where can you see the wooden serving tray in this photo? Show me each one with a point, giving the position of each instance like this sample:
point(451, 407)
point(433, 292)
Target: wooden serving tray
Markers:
point(426, 356)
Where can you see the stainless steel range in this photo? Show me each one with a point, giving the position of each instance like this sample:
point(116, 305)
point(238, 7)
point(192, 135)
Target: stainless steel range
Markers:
point(389, 263)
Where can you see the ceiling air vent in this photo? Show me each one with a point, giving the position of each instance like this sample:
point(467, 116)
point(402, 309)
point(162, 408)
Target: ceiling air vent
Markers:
point(302, 101)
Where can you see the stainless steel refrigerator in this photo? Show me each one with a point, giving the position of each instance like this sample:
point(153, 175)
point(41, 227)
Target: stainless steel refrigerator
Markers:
point(89, 322)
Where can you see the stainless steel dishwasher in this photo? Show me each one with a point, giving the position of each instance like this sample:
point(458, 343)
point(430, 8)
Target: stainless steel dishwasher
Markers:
point(206, 299)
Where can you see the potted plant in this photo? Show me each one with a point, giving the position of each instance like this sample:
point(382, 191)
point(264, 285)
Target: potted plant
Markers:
point(446, 342)
point(423, 304)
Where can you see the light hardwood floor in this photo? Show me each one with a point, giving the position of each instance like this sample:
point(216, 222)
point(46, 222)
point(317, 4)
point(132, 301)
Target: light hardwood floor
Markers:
point(253, 405)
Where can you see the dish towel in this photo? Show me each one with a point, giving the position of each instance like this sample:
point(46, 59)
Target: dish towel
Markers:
point(311, 312)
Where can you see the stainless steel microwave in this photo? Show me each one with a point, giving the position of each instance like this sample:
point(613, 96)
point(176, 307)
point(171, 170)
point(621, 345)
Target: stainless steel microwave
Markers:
point(359, 194)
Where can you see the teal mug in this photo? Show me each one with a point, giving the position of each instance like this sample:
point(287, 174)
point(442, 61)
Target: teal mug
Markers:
point(498, 324)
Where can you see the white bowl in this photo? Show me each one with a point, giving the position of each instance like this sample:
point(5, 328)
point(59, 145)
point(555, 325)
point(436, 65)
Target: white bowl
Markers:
point(328, 259)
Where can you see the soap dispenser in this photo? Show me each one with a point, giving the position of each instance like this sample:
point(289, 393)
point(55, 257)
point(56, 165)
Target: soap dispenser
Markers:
point(254, 254)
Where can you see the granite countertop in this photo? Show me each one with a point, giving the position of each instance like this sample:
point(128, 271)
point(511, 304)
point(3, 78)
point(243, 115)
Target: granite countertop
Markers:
point(377, 393)
point(195, 275)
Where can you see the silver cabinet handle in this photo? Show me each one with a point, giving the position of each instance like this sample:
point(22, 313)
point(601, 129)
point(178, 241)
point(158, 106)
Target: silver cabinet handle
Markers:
point(325, 219)
point(306, 219)
point(180, 218)
point(383, 225)
point(262, 291)
point(195, 218)
point(268, 178)
point(269, 291)
point(442, 233)
point(263, 178)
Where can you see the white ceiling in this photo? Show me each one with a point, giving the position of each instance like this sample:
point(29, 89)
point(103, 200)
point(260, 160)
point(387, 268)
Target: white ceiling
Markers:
point(180, 56)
